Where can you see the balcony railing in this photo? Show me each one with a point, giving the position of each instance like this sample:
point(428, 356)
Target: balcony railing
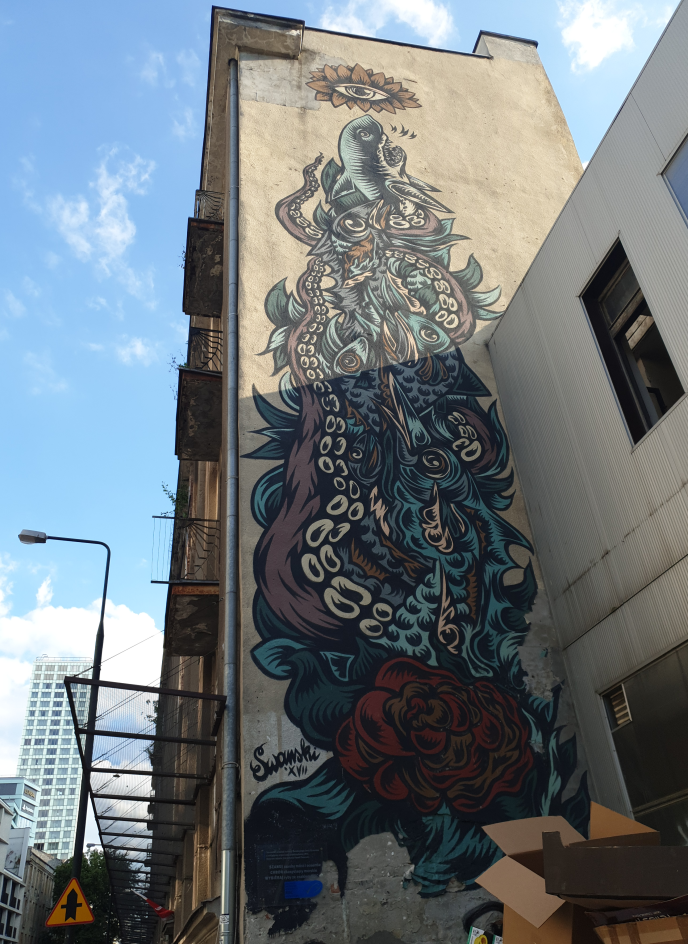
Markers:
point(205, 349)
point(185, 549)
point(209, 205)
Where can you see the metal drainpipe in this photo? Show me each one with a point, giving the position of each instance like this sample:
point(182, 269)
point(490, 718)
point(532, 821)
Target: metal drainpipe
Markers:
point(230, 765)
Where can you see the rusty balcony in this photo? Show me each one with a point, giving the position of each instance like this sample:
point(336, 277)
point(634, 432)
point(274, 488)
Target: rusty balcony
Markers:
point(186, 556)
point(205, 349)
point(209, 205)
point(199, 414)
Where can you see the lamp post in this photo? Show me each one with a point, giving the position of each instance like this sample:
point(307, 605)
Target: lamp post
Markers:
point(40, 537)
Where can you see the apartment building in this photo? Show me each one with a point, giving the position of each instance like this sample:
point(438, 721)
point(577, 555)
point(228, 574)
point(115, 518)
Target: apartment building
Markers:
point(356, 617)
point(49, 755)
point(381, 632)
point(39, 881)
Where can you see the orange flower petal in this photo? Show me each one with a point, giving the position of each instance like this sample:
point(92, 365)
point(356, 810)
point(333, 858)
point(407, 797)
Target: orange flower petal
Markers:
point(330, 74)
point(378, 79)
point(320, 86)
point(359, 75)
point(412, 103)
point(388, 106)
point(323, 97)
point(375, 107)
point(344, 72)
point(364, 106)
point(338, 99)
point(351, 103)
point(392, 86)
point(318, 74)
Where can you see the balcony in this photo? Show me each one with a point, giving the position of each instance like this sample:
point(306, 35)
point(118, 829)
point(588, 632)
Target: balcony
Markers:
point(199, 410)
point(205, 350)
point(209, 205)
point(203, 268)
point(186, 556)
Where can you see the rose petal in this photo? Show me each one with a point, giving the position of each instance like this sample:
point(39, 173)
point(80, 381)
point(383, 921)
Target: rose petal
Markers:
point(372, 726)
point(359, 75)
point(429, 741)
point(349, 756)
point(393, 675)
point(388, 783)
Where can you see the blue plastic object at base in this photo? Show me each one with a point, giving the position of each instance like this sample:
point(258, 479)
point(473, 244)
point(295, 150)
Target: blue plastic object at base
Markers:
point(302, 889)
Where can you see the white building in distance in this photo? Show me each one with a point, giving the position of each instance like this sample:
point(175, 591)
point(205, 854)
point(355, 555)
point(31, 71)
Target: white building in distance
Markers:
point(49, 754)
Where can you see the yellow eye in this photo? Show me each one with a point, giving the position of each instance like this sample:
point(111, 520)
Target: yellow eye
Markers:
point(361, 91)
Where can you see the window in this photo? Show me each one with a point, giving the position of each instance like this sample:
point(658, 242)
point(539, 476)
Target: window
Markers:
point(647, 715)
point(676, 175)
point(639, 365)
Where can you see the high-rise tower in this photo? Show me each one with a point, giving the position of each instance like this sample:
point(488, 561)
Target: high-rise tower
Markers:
point(49, 755)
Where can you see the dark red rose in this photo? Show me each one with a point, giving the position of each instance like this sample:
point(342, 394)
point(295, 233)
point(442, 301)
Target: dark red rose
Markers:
point(422, 735)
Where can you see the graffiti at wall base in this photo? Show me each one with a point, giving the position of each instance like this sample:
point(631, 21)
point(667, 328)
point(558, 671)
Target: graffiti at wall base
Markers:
point(382, 592)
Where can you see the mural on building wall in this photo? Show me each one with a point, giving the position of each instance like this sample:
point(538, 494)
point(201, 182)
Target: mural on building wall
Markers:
point(382, 590)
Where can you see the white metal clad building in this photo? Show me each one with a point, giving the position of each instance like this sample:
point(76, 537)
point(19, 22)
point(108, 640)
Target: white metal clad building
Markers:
point(591, 362)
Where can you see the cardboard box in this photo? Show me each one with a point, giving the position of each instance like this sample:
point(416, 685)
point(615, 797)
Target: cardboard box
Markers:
point(664, 922)
point(531, 915)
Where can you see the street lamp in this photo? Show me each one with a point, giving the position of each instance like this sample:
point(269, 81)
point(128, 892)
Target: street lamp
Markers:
point(40, 537)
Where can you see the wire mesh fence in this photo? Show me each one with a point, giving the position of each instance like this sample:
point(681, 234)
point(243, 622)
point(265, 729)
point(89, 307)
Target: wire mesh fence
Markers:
point(153, 749)
point(185, 549)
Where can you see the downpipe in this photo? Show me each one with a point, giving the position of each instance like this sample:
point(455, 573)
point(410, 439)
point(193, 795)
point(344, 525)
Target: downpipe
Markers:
point(230, 764)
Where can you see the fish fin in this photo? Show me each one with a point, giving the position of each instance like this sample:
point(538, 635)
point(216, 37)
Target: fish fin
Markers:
point(406, 191)
point(343, 187)
point(421, 184)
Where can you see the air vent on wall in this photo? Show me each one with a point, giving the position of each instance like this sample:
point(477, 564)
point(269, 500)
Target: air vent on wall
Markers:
point(618, 706)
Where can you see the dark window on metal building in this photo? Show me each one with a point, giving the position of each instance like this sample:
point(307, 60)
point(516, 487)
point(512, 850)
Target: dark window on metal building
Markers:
point(648, 716)
point(639, 365)
point(676, 175)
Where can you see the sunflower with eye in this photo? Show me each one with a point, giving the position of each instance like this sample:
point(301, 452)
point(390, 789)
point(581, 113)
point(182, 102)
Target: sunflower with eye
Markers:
point(362, 88)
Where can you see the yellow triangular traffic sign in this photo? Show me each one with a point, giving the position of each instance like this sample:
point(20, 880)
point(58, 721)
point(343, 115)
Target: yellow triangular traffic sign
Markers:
point(71, 908)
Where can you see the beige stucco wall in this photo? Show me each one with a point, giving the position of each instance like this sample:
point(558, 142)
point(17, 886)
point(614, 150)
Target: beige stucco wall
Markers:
point(491, 137)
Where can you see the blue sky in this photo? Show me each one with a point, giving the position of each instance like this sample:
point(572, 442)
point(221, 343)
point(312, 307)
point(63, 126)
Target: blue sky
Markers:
point(102, 136)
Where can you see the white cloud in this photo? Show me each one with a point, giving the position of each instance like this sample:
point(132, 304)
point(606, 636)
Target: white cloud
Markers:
point(30, 287)
point(184, 126)
point(13, 306)
point(92, 346)
point(431, 20)
point(42, 375)
point(189, 63)
point(52, 260)
point(593, 30)
point(45, 593)
point(6, 567)
point(137, 350)
point(60, 631)
point(154, 68)
point(101, 230)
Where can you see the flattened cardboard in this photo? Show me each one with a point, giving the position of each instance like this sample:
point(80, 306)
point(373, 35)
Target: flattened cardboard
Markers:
point(585, 871)
point(605, 824)
point(659, 931)
point(522, 890)
point(567, 925)
point(518, 836)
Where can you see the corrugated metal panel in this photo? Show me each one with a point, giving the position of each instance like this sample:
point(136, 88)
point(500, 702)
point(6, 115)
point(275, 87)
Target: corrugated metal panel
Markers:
point(608, 518)
point(646, 627)
point(662, 92)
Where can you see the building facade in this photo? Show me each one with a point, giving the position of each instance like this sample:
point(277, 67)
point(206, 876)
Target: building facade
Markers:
point(23, 796)
point(49, 755)
point(355, 570)
point(14, 846)
point(591, 363)
point(39, 881)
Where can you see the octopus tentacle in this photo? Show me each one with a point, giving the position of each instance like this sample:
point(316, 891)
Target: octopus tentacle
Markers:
point(288, 210)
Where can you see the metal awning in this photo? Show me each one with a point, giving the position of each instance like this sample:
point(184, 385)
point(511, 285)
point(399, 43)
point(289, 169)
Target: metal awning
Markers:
point(154, 748)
